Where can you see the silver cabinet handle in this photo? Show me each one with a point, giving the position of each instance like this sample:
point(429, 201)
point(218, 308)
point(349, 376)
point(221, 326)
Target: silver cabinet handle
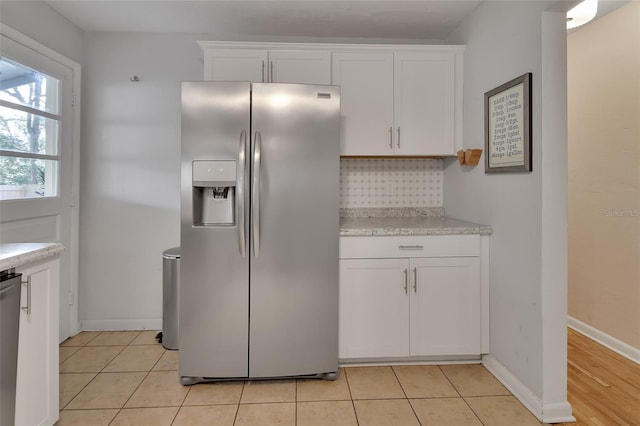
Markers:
point(271, 71)
point(255, 195)
point(398, 136)
point(242, 239)
point(27, 309)
point(391, 137)
point(415, 280)
point(417, 247)
point(406, 281)
point(263, 71)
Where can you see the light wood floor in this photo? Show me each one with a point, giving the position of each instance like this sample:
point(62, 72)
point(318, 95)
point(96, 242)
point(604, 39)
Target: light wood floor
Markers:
point(603, 387)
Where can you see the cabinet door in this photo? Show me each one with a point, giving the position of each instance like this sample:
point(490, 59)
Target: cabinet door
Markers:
point(424, 103)
point(296, 66)
point(235, 65)
point(366, 81)
point(374, 308)
point(445, 306)
point(37, 381)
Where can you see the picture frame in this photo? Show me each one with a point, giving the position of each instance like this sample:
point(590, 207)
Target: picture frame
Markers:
point(507, 118)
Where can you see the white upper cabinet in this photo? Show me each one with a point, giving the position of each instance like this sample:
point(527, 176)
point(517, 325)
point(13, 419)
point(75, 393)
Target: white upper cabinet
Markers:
point(235, 65)
point(297, 66)
point(366, 102)
point(401, 103)
point(268, 66)
point(424, 103)
point(396, 100)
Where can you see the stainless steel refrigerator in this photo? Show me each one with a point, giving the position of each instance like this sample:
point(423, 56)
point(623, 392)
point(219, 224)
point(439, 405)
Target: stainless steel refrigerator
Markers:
point(259, 231)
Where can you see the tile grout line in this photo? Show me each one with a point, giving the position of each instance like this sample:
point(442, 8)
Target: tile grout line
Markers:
point(134, 391)
point(185, 397)
point(460, 395)
point(235, 418)
point(353, 404)
point(406, 397)
point(96, 374)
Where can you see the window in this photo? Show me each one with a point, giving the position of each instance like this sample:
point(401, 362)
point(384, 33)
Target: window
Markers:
point(29, 132)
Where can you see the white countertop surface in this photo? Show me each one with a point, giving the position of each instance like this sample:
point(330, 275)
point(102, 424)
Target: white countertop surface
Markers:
point(13, 255)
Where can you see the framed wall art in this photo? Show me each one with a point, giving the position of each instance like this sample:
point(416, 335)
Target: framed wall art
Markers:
point(507, 117)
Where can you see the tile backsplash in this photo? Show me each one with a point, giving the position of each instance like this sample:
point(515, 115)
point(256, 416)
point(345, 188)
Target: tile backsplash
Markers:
point(390, 182)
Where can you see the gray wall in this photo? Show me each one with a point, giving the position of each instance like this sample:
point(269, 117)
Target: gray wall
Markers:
point(130, 166)
point(37, 20)
point(528, 210)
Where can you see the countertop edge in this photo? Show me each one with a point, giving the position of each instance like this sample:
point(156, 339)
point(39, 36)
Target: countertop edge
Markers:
point(26, 253)
point(481, 230)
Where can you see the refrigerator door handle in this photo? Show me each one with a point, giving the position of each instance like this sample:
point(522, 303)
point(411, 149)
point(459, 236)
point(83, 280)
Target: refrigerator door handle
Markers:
point(242, 239)
point(255, 195)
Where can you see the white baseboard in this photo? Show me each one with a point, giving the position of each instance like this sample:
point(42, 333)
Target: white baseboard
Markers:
point(515, 386)
point(121, 324)
point(547, 413)
point(560, 412)
point(604, 339)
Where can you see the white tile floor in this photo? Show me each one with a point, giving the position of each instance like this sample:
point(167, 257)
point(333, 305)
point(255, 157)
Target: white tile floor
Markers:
point(126, 378)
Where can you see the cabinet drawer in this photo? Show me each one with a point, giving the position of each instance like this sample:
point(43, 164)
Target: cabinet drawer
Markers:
point(409, 246)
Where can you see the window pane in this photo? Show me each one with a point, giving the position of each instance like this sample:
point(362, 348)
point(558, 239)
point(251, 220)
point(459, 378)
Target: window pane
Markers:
point(22, 85)
point(27, 178)
point(25, 132)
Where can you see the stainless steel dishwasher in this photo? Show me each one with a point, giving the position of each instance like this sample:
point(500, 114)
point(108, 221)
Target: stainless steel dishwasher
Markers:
point(9, 325)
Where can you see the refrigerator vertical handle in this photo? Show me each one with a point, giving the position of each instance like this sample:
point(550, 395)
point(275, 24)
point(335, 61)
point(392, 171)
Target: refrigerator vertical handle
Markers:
point(255, 195)
point(242, 239)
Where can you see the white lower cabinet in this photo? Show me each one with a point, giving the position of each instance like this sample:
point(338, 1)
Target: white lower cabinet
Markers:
point(409, 306)
point(37, 388)
point(374, 314)
point(444, 306)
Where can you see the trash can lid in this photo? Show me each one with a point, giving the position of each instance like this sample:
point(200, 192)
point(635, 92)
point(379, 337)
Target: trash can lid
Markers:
point(172, 253)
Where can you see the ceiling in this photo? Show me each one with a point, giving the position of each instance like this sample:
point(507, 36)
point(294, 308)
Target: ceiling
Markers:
point(424, 19)
point(276, 19)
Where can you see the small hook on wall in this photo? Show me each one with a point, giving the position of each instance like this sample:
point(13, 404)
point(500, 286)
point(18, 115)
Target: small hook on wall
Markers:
point(135, 79)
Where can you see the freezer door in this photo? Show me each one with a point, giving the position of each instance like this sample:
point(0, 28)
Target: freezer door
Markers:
point(214, 266)
point(295, 227)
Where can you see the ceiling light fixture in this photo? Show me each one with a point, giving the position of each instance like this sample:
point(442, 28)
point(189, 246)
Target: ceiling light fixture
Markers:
point(582, 13)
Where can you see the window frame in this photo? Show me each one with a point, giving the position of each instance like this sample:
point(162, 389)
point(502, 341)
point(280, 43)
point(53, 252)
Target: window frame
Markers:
point(52, 176)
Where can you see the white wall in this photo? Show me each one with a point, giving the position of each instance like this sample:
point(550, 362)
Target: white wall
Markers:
point(40, 22)
point(130, 169)
point(505, 40)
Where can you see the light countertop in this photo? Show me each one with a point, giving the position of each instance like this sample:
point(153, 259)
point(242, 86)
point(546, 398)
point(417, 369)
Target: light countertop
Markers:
point(379, 223)
point(13, 255)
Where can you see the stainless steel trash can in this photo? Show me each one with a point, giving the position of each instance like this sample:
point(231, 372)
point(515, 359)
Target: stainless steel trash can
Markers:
point(170, 294)
point(9, 326)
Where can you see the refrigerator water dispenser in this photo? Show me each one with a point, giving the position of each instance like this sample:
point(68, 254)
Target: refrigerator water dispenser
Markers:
point(214, 185)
